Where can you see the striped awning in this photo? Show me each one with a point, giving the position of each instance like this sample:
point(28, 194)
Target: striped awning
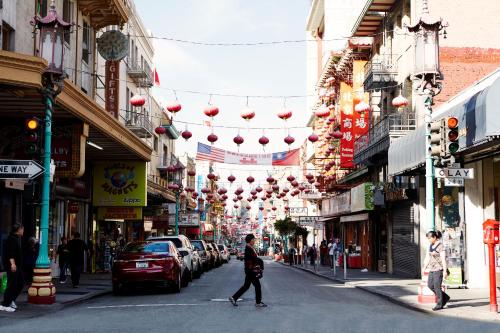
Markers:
point(371, 16)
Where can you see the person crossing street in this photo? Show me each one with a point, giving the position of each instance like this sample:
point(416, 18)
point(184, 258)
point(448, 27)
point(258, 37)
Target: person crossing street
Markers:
point(254, 267)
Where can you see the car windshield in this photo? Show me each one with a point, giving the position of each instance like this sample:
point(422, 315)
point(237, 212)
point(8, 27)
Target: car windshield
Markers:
point(155, 247)
point(221, 247)
point(198, 246)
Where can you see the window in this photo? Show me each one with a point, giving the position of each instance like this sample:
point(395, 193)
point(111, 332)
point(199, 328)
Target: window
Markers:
point(68, 17)
point(155, 143)
point(155, 247)
point(86, 42)
point(7, 37)
point(42, 7)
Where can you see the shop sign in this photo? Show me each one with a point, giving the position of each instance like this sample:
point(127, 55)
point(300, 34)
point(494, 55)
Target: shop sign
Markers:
point(119, 213)
point(362, 197)
point(112, 86)
point(185, 219)
point(339, 204)
point(120, 184)
point(308, 221)
point(298, 211)
point(346, 127)
point(68, 149)
point(361, 121)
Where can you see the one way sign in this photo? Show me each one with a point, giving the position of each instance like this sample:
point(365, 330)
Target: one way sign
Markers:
point(26, 169)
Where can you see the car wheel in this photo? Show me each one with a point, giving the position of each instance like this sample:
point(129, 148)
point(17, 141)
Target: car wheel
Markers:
point(185, 279)
point(178, 284)
point(117, 289)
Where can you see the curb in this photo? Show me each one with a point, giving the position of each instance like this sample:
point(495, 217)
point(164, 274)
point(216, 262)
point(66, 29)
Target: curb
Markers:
point(365, 289)
point(86, 298)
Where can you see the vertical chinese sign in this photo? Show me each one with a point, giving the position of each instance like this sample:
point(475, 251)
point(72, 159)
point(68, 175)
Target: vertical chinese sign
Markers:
point(360, 120)
point(112, 86)
point(346, 127)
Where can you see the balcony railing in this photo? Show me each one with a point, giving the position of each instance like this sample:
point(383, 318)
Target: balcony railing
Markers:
point(380, 71)
point(140, 73)
point(140, 124)
point(380, 135)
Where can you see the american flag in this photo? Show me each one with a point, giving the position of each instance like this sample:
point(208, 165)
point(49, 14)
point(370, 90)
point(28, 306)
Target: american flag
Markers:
point(209, 153)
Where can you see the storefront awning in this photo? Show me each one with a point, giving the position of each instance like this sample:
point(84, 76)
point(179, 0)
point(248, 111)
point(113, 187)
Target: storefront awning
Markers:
point(477, 111)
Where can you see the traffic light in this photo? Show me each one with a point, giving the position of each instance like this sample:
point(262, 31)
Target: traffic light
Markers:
point(436, 142)
point(451, 136)
point(32, 136)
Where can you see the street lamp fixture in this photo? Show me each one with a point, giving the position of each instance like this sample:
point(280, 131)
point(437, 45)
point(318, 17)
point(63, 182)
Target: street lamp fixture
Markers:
point(52, 30)
point(427, 72)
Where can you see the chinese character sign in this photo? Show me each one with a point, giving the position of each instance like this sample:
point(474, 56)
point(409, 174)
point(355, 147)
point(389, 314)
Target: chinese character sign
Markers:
point(361, 120)
point(346, 127)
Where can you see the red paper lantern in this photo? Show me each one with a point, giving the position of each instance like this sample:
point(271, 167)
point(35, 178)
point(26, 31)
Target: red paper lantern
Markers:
point(253, 192)
point(210, 196)
point(250, 179)
point(294, 183)
point(240, 197)
point(174, 107)
point(313, 138)
point(322, 112)
point(249, 199)
point(269, 196)
point(231, 178)
point(317, 184)
point(270, 180)
point(286, 189)
point(186, 135)
point(137, 100)
point(248, 207)
point(400, 101)
point(171, 168)
point(276, 187)
point(289, 140)
point(287, 208)
point(173, 186)
point(160, 130)
point(238, 140)
point(310, 181)
point(274, 208)
point(263, 140)
point(235, 199)
point(261, 208)
point(235, 206)
point(362, 107)
point(290, 178)
point(285, 114)
point(239, 190)
point(211, 176)
point(205, 190)
point(212, 138)
point(194, 195)
point(337, 134)
point(258, 189)
point(191, 173)
point(224, 197)
point(309, 176)
point(247, 114)
point(301, 188)
point(211, 111)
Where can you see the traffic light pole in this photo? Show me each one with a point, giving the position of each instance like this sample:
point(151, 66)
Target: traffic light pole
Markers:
point(42, 291)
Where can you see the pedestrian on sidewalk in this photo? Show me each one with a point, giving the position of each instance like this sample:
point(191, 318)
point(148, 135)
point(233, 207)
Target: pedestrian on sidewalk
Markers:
point(254, 266)
point(323, 251)
point(13, 263)
point(63, 257)
point(77, 249)
point(332, 248)
point(30, 255)
point(435, 262)
point(312, 253)
point(291, 255)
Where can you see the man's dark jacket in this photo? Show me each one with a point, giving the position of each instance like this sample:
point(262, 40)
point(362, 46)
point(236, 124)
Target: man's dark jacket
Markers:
point(12, 250)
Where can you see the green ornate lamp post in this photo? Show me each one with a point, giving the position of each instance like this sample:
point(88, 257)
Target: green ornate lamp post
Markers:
point(52, 30)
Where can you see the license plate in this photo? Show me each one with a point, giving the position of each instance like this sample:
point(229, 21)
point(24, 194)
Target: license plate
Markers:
point(141, 265)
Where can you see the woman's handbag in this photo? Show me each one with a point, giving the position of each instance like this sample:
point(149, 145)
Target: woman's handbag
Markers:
point(258, 268)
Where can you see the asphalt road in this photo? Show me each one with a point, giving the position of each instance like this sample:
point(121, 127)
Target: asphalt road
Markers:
point(298, 302)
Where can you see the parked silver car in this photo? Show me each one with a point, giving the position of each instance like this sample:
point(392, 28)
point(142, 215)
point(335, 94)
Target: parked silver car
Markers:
point(224, 253)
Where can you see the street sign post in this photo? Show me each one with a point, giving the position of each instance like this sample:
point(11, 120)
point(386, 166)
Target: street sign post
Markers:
point(26, 169)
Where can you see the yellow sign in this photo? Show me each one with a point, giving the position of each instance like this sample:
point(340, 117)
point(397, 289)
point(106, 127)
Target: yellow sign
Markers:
point(120, 184)
point(119, 213)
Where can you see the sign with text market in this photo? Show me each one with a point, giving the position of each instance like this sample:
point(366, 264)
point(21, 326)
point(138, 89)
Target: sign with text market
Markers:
point(120, 184)
point(454, 173)
point(26, 169)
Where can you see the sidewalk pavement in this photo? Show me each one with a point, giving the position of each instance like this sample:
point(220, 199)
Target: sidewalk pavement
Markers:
point(465, 303)
point(91, 285)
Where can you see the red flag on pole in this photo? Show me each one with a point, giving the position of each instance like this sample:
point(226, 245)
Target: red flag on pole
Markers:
point(157, 79)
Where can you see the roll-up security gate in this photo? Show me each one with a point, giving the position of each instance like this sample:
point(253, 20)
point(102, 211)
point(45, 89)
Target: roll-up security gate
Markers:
point(404, 243)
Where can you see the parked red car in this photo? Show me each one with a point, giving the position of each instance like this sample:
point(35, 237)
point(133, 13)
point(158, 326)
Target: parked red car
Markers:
point(150, 262)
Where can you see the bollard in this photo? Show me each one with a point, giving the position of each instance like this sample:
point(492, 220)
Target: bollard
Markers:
point(335, 263)
point(346, 252)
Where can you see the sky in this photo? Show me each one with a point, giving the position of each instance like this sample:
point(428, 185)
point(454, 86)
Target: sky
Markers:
point(276, 70)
